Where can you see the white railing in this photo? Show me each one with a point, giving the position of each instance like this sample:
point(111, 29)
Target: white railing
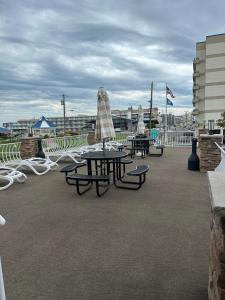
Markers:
point(175, 138)
point(121, 137)
point(169, 138)
point(9, 152)
point(57, 144)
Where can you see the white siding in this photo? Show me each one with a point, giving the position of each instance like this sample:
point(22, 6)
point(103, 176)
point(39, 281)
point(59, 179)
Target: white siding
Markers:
point(218, 76)
point(215, 104)
point(201, 105)
point(215, 62)
point(216, 90)
point(215, 48)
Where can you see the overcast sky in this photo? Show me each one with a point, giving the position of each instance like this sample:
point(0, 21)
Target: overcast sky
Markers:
point(52, 47)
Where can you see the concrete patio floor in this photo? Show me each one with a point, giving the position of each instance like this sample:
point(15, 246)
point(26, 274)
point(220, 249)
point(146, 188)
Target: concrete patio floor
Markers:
point(147, 244)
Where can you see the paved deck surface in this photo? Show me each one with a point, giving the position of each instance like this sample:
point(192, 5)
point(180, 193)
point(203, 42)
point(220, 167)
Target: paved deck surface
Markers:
point(146, 244)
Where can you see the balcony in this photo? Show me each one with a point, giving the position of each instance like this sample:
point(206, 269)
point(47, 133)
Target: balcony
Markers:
point(196, 61)
point(195, 100)
point(195, 112)
point(126, 245)
point(196, 87)
point(196, 74)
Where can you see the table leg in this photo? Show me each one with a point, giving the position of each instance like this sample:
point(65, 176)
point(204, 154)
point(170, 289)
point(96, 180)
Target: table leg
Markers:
point(96, 167)
point(114, 171)
point(89, 167)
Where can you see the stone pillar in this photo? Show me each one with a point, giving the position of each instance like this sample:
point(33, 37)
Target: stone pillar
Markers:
point(202, 131)
point(29, 147)
point(210, 155)
point(216, 285)
point(91, 138)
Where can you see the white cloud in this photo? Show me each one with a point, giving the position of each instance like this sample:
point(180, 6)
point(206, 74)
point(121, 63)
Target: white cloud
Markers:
point(73, 47)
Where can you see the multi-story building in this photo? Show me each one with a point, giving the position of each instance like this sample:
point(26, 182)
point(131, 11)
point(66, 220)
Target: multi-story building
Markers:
point(131, 115)
point(76, 124)
point(209, 80)
point(168, 121)
point(83, 123)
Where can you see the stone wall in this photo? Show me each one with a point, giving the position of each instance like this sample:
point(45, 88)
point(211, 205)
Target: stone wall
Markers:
point(202, 131)
point(29, 147)
point(216, 287)
point(210, 155)
point(216, 284)
point(91, 138)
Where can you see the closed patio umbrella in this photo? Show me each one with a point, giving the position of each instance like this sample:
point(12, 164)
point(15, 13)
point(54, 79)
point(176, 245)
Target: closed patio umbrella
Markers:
point(104, 123)
point(140, 125)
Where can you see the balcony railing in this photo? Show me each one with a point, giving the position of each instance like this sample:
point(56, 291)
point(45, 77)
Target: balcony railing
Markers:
point(63, 143)
point(195, 112)
point(122, 136)
point(175, 138)
point(9, 152)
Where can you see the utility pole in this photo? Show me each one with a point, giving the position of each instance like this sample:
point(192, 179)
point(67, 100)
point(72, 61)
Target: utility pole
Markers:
point(63, 103)
point(131, 112)
point(150, 107)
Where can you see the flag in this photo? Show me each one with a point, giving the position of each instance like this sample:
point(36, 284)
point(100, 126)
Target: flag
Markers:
point(169, 92)
point(169, 102)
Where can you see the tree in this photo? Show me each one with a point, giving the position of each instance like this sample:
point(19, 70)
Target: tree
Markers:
point(221, 122)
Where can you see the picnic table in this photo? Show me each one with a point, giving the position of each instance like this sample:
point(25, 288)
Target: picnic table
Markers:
point(139, 145)
point(102, 160)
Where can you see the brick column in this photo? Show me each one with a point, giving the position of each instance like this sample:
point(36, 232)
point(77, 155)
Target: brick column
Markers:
point(91, 138)
point(29, 147)
point(210, 155)
point(216, 285)
point(202, 131)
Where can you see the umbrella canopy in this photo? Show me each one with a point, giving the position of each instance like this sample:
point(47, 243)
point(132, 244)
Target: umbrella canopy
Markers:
point(4, 130)
point(43, 123)
point(140, 125)
point(104, 123)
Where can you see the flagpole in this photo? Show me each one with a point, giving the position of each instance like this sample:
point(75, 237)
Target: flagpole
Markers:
point(165, 119)
point(150, 108)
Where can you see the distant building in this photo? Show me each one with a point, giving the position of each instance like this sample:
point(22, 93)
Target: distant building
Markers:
point(184, 121)
point(168, 119)
point(209, 80)
point(76, 124)
point(83, 123)
point(131, 115)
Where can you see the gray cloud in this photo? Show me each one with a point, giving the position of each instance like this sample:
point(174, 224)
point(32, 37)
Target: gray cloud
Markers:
point(53, 47)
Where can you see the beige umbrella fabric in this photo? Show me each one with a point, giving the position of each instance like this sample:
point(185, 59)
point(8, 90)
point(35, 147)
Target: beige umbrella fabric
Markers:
point(140, 125)
point(104, 123)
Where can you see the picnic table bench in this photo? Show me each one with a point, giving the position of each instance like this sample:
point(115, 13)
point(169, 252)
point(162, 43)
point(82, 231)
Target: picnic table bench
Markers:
point(72, 167)
point(89, 179)
point(140, 172)
point(158, 147)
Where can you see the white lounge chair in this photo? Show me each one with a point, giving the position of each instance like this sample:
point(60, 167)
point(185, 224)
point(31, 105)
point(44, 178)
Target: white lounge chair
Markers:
point(9, 175)
point(39, 166)
point(64, 147)
point(5, 182)
point(10, 157)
